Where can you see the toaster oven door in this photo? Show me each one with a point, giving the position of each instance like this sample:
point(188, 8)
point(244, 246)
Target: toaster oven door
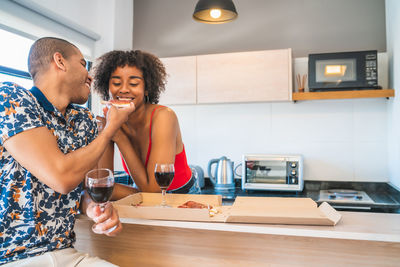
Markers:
point(266, 172)
point(272, 172)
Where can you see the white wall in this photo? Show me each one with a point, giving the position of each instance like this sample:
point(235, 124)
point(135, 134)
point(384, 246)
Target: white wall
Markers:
point(393, 49)
point(341, 140)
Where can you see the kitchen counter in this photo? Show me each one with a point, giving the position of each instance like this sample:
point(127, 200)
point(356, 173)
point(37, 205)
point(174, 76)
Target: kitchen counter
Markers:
point(386, 198)
point(360, 238)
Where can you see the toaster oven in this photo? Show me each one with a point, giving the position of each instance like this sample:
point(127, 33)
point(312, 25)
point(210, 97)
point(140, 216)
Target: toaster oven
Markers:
point(272, 172)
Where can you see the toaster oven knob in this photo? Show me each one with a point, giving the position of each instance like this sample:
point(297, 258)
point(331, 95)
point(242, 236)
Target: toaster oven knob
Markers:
point(293, 172)
point(293, 165)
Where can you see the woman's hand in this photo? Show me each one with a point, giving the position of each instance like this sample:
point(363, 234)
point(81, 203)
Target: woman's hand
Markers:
point(107, 222)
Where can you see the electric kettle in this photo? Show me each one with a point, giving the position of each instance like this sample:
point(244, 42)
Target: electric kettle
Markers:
point(223, 177)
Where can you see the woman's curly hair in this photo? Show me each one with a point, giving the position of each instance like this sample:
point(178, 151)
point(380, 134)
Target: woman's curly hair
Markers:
point(153, 70)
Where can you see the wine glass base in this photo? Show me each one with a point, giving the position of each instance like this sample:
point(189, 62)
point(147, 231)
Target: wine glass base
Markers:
point(164, 206)
point(103, 232)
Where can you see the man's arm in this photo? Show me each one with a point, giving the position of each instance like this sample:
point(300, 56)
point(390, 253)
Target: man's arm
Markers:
point(38, 152)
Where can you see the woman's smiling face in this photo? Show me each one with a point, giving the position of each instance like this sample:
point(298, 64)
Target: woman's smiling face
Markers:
point(127, 83)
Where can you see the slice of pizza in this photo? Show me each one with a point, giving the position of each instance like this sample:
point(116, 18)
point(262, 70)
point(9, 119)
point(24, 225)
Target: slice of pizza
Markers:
point(116, 103)
point(194, 205)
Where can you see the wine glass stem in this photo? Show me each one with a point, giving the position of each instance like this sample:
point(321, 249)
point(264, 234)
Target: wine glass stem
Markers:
point(164, 202)
point(103, 206)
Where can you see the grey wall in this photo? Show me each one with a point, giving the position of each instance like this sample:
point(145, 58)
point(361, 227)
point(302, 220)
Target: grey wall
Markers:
point(166, 28)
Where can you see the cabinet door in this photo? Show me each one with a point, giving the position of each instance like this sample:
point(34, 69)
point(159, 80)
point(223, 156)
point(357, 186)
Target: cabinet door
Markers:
point(181, 80)
point(245, 77)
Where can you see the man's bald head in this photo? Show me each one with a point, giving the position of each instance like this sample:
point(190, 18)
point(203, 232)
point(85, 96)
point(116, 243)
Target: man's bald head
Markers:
point(42, 51)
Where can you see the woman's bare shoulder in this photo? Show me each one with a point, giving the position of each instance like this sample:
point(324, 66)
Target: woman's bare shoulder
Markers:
point(165, 112)
point(165, 118)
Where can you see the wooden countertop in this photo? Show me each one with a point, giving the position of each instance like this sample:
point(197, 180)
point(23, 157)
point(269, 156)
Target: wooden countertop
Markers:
point(359, 239)
point(353, 226)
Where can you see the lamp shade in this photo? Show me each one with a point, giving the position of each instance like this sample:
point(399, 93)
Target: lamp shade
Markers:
point(215, 11)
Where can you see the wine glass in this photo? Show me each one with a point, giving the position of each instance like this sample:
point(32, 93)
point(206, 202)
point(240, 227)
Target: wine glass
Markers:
point(164, 174)
point(99, 185)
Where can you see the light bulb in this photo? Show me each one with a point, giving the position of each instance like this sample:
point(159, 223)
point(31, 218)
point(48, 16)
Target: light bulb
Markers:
point(215, 13)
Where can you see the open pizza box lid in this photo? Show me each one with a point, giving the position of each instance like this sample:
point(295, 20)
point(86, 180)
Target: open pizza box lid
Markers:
point(147, 206)
point(280, 210)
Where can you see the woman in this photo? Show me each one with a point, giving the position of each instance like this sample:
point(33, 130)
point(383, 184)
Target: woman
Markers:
point(152, 134)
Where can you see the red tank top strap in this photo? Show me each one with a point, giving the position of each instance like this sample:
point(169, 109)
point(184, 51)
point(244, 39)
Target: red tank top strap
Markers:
point(124, 164)
point(149, 149)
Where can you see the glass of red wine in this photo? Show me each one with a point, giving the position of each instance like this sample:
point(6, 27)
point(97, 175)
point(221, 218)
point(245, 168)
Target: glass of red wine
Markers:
point(164, 174)
point(100, 185)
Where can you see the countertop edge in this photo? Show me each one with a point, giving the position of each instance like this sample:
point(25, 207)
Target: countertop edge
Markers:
point(284, 230)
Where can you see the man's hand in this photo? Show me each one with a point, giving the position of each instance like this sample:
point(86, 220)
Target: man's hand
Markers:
point(115, 117)
point(107, 222)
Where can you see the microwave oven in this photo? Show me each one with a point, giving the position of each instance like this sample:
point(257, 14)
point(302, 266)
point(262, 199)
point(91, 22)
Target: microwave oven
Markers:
point(272, 172)
point(343, 71)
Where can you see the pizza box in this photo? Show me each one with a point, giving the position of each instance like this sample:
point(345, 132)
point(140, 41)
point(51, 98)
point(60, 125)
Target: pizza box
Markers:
point(281, 210)
point(147, 206)
point(266, 210)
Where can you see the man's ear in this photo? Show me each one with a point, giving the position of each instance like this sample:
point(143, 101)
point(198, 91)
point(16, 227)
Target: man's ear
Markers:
point(59, 60)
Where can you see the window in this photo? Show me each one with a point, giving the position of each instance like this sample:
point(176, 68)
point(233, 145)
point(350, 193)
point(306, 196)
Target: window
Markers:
point(14, 59)
point(14, 53)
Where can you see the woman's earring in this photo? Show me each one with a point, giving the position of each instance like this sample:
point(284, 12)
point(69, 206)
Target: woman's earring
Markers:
point(147, 99)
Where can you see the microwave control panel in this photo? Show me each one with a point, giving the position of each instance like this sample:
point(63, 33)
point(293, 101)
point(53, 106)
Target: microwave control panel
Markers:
point(292, 170)
point(371, 69)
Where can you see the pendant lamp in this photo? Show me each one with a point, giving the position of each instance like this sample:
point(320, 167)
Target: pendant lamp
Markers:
point(215, 11)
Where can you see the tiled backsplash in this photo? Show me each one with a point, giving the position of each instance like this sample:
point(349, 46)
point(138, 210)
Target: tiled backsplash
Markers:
point(341, 140)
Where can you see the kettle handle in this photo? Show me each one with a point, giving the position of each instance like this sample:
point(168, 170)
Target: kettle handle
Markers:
point(237, 166)
point(212, 178)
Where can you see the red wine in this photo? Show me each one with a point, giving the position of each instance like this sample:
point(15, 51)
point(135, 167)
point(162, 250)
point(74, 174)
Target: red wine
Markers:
point(100, 194)
point(164, 179)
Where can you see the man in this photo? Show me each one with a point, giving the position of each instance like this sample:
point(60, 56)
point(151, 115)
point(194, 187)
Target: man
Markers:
point(47, 145)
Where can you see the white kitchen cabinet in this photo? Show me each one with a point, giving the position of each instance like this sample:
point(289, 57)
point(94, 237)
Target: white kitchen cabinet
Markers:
point(181, 81)
point(255, 76)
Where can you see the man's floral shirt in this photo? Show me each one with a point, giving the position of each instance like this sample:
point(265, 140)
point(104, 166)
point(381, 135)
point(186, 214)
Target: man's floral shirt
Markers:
point(34, 218)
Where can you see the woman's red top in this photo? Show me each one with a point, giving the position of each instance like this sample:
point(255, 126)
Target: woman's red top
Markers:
point(183, 172)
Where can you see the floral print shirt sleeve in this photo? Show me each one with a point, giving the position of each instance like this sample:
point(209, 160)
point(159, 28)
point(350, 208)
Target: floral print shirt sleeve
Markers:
point(17, 112)
point(34, 218)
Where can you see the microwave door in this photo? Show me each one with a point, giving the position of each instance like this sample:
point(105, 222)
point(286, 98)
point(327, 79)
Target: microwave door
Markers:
point(335, 72)
point(343, 71)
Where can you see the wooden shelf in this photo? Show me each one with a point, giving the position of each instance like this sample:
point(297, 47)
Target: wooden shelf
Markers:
point(343, 94)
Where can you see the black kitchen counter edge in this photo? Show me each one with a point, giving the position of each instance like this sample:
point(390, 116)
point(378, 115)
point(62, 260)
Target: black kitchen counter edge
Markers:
point(385, 196)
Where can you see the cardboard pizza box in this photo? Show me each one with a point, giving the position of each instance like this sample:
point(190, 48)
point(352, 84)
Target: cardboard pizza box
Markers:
point(265, 210)
point(147, 206)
